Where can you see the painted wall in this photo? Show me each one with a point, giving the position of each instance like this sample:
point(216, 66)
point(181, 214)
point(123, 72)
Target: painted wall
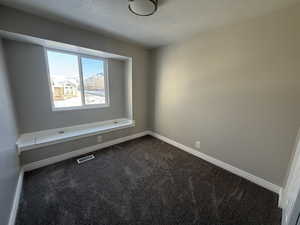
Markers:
point(19, 22)
point(9, 165)
point(236, 89)
point(27, 66)
point(16, 21)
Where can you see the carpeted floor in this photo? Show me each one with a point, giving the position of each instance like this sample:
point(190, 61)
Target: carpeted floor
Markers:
point(144, 181)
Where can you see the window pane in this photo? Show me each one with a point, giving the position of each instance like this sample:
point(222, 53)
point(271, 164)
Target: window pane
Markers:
point(64, 78)
point(93, 80)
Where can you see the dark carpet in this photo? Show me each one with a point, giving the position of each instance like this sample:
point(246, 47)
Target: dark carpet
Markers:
point(144, 181)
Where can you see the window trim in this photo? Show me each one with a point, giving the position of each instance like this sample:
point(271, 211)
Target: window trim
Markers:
point(79, 59)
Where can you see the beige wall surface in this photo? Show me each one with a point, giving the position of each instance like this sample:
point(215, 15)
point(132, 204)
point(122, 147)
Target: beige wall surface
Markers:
point(236, 89)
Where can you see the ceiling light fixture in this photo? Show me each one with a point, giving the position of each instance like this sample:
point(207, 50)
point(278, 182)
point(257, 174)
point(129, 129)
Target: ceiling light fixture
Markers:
point(143, 7)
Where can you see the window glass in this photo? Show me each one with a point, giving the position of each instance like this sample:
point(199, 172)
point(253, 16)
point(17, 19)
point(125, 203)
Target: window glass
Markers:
point(77, 81)
point(64, 79)
point(93, 80)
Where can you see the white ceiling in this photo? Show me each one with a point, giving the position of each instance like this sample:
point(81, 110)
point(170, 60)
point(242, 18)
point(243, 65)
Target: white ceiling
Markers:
point(175, 19)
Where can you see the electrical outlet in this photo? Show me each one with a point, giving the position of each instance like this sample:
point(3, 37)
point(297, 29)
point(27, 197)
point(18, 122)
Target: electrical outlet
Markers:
point(99, 139)
point(197, 144)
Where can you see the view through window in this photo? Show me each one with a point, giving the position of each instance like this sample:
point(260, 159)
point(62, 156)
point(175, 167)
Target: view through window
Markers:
point(76, 81)
point(93, 81)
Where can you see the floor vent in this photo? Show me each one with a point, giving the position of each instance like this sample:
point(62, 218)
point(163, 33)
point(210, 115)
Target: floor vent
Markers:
point(85, 159)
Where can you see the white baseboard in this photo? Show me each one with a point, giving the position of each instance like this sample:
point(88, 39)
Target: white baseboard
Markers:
point(14, 208)
point(55, 159)
point(280, 198)
point(257, 180)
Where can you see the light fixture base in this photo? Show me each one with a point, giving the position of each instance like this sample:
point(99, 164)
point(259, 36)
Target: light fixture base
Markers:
point(143, 7)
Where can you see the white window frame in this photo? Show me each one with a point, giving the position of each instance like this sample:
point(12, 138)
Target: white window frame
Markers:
point(79, 58)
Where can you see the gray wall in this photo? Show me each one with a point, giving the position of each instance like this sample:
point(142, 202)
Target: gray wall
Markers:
point(27, 68)
point(236, 89)
point(16, 21)
point(9, 167)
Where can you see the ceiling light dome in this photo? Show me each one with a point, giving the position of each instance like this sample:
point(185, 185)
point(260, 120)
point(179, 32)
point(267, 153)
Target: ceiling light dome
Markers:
point(143, 7)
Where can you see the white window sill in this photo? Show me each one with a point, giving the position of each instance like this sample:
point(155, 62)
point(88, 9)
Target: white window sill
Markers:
point(44, 138)
point(84, 107)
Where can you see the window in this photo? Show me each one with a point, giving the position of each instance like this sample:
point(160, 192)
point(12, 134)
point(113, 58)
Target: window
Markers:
point(77, 81)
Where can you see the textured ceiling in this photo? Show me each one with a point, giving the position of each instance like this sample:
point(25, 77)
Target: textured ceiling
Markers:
point(175, 19)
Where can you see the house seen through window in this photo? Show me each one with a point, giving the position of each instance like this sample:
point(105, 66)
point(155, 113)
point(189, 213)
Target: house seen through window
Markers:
point(77, 81)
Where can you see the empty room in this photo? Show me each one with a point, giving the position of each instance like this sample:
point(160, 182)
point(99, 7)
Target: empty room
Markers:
point(149, 112)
